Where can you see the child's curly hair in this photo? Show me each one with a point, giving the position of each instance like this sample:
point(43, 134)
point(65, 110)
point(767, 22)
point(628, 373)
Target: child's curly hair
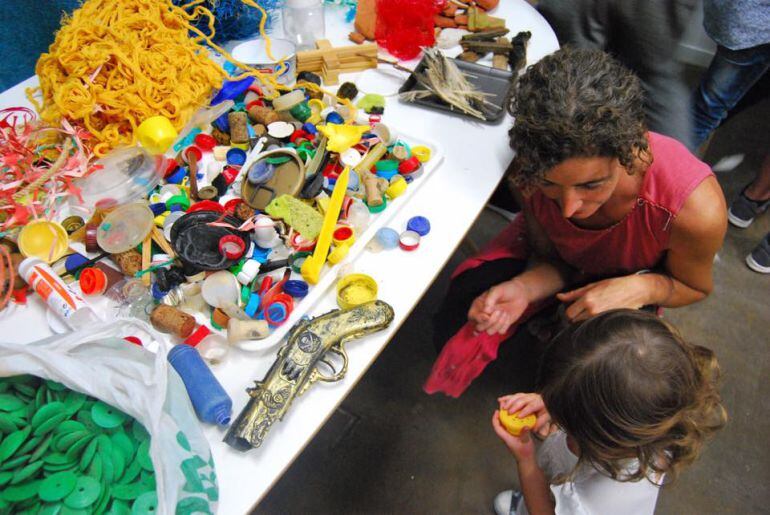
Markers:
point(575, 103)
point(625, 385)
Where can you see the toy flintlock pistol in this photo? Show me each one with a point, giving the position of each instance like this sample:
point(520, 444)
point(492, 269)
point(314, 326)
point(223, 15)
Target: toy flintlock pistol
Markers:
point(309, 348)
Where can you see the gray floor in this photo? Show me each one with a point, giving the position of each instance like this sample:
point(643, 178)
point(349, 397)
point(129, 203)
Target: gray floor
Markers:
point(393, 449)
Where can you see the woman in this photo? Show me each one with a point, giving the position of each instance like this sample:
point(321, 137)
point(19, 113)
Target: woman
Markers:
point(603, 200)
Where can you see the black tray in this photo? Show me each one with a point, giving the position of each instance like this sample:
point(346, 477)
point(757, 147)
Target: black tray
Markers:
point(486, 79)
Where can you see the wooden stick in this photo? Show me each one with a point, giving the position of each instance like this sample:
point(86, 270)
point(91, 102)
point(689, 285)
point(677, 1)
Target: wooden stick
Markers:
point(160, 239)
point(146, 258)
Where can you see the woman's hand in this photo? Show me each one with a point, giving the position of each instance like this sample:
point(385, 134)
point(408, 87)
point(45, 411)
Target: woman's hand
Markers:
point(630, 292)
point(522, 446)
point(525, 404)
point(496, 309)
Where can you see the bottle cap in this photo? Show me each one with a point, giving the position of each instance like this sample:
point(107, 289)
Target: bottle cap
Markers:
point(205, 142)
point(195, 338)
point(419, 224)
point(92, 281)
point(409, 240)
point(295, 288)
point(236, 157)
point(231, 246)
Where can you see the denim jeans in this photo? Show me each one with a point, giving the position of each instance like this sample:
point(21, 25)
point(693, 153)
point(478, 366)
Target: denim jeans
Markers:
point(731, 75)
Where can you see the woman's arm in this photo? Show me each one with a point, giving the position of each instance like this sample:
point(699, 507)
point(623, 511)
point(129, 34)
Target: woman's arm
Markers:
point(697, 234)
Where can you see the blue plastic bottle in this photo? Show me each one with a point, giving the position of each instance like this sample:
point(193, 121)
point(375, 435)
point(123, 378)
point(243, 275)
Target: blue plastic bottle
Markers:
point(211, 402)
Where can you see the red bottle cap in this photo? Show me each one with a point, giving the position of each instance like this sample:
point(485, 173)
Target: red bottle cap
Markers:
point(231, 204)
point(134, 340)
point(205, 142)
point(409, 165)
point(230, 174)
point(171, 168)
point(192, 153)
point(207, 205)
point(231, 246)
point(92, 281)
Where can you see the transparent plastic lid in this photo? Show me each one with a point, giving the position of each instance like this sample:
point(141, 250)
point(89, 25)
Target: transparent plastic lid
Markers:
point(125, 227)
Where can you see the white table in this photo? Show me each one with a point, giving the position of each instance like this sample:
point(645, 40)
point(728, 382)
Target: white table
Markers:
point(476, 156)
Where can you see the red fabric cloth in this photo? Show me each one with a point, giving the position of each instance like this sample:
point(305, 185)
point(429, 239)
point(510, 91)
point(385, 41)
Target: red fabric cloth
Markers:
point(637, 242)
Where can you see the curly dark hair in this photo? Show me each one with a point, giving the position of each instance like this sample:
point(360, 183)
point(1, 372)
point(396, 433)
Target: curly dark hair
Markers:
point(575, 103)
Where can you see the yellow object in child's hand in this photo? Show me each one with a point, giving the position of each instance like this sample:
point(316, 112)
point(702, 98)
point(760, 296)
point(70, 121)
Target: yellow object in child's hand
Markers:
point(513, 424)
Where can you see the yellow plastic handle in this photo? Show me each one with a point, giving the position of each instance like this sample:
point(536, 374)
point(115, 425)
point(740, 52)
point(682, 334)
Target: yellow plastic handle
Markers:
point(311, 268)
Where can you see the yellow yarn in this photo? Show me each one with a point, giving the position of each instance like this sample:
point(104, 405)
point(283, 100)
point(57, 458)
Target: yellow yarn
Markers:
point(115, 63)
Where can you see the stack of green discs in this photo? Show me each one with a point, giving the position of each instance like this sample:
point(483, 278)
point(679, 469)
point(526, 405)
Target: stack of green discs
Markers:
point(63, 453)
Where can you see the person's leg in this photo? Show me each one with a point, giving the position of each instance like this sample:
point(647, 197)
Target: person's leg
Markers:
point(580, 23)
point(753, 200)
point(644, 35)
point(453, 313)
point(731, 74)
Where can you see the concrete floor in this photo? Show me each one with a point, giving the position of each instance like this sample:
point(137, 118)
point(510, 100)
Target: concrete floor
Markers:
point(393, 449)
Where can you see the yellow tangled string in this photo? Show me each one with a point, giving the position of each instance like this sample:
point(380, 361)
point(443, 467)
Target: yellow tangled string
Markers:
point(115, 63)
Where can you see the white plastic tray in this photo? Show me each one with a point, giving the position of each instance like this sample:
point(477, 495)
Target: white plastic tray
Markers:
point(329, 274)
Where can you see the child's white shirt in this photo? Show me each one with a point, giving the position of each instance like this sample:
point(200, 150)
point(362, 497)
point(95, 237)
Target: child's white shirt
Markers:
point(590, 492)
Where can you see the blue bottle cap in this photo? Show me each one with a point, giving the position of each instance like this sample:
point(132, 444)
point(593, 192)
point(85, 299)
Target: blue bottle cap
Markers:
point(387, 237)
point(253, 305)
point(222, 123)
point(75, 260)
point(386, 174)
point(260, 172)
point(309, 128)
point(177, 176)
point(236, 157)
point(296, 289)
point(334, 117)
point(157, 293)
point(418, 224)
point(175, 207)
point(158, 208)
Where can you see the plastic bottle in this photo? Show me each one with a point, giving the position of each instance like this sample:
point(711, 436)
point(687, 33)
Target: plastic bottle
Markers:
point(211, 402)
point(303, 22)
point(59, 297)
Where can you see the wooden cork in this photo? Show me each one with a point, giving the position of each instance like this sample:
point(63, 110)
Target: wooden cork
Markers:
point(168, 319)
point(373, 194)
point(222, 138)
point(263, 115)
point(239, 127)
point(357, 38)
point(130, 262)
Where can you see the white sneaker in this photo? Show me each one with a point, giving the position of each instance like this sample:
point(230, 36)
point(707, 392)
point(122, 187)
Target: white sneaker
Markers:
point(507, 502)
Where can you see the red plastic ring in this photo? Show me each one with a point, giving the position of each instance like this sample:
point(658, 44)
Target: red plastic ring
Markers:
point(409, 240)
point(192, 149)
point(199, 334)
point(231, 246)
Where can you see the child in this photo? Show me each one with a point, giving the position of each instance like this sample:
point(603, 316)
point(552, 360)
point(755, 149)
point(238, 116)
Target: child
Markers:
point(626, 402)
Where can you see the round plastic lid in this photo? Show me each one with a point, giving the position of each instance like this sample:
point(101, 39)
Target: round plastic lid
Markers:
point(221, 289)
point(419, 224)
point(44, 240)
point(125, 227)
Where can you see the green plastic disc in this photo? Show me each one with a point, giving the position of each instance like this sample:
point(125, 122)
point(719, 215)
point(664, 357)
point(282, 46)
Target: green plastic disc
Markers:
point(122, 441)
point(128, 492)
point(145, 503)
point(85, 493)
point(42, 448)
point(17, 493)
point(119, 508)
point(51, 423)
point(46, 412)
point(50, 509)
point(10, 402)
point(14, 462)
point(88, 454)
point(76, 448)
point(143, 455)
point(26, 472)
point(53, 385)
point(69, 426)
point(106, 416)
point(5, 477)
point(64, 441)
point(57, 486)
point(12, 442)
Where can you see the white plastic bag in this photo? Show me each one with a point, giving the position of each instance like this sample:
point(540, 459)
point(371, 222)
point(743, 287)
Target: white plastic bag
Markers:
point(98, 362)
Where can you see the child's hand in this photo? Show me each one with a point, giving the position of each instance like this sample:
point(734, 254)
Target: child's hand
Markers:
point(522, 446)
point(496, 309)
point(523, 404)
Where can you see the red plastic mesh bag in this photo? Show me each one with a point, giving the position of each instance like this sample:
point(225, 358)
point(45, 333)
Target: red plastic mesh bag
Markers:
point(404, 26)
